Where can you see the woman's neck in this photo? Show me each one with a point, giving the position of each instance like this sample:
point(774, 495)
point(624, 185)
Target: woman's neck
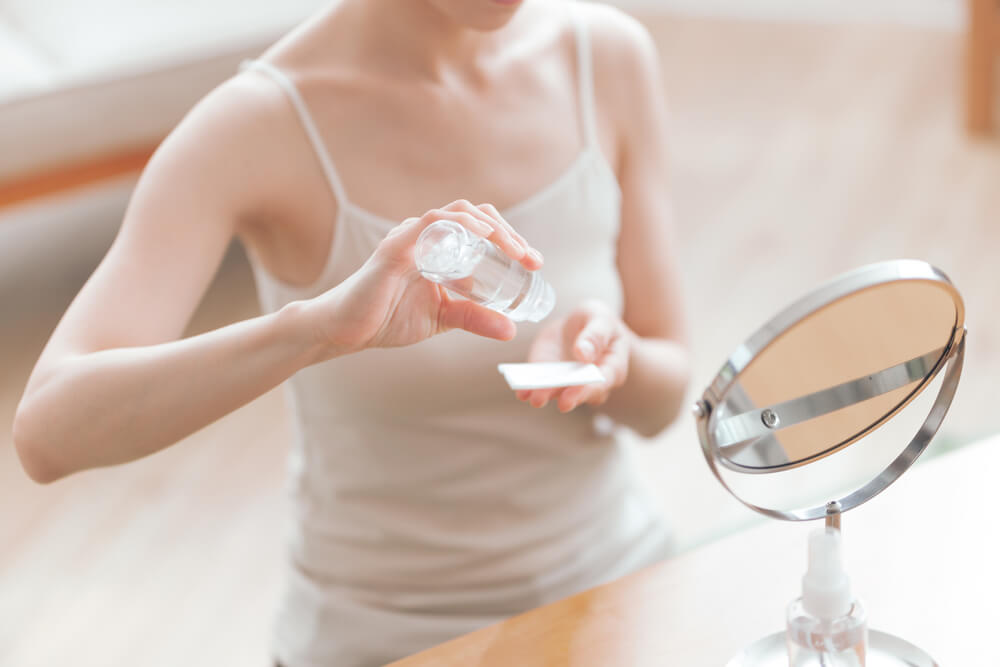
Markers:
point(414, 37)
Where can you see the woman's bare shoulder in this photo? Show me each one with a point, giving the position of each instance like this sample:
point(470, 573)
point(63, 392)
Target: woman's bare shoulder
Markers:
point(231, 145)
point(621, 43)
point(627, 72)
point(240, 116)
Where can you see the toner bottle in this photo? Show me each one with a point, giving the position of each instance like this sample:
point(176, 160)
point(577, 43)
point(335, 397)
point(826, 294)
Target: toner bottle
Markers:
point(827, 626)
point(470, 266)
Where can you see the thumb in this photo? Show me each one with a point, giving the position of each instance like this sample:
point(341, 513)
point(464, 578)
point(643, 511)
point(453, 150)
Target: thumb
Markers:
point(480, 320)
point(593, 339)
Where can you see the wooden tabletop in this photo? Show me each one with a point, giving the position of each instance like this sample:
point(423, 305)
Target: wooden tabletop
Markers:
point(923, 556)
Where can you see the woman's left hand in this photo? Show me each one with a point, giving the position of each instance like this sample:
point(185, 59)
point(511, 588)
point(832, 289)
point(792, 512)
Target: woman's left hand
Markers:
point(594, 334)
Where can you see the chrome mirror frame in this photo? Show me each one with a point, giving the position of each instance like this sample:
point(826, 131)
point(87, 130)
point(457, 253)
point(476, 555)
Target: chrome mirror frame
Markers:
point(863, 278)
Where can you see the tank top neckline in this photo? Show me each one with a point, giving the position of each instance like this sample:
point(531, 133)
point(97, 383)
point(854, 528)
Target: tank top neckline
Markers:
point(512, 211)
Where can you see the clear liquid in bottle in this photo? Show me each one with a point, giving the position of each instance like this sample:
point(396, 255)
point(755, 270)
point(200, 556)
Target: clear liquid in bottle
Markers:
point(827, 626)
point(472, 267)
point(814, 642)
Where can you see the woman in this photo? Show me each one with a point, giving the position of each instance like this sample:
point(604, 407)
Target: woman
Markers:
point(429, 501)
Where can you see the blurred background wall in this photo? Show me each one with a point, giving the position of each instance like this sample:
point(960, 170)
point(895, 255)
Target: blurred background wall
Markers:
point(809, 137)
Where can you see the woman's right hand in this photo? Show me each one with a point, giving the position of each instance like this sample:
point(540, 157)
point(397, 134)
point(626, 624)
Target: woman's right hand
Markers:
point(387, 303)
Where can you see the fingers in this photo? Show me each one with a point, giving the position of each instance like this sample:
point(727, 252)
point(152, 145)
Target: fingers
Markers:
point(566, 398)
point(532, 259)
point(483, 220)
point(592, 335)
point(538, 398)
point(406, 233)
point(473, 223)
point(614, 364)
point(573, 397)
point(501, 233)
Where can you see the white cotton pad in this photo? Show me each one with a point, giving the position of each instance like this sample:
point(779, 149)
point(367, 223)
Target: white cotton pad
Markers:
point(548, 374)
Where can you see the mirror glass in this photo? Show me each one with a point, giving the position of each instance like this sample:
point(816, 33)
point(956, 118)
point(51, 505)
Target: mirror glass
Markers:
point(834, 375)
point(833, 476)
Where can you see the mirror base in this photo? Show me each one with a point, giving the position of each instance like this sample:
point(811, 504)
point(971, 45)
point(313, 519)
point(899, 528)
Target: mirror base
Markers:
point(884, 650)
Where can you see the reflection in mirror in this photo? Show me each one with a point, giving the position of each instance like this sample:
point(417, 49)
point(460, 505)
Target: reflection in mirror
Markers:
point(790, 489)
point(834, 376)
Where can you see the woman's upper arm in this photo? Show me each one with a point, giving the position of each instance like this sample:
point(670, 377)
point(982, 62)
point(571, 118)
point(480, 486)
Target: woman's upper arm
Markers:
point(630, 89)
point(181, 218)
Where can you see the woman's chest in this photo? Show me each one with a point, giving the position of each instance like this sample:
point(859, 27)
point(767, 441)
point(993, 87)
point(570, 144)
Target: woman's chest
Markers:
point(401, 151)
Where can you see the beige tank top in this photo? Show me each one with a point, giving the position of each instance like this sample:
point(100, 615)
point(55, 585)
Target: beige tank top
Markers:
point(428, 500)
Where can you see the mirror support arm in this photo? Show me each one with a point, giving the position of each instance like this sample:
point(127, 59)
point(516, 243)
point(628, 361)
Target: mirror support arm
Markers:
point(953, 358)
point(833, 515)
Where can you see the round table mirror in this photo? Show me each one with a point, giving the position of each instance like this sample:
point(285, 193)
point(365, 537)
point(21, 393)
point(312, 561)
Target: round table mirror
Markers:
point(835, 397)
point(824, 374)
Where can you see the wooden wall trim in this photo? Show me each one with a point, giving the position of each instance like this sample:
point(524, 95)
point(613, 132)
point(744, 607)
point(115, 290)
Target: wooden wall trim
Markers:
point(980, 65)
point(63, 178)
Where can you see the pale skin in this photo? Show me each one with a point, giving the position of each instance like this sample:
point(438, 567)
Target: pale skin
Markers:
point(481, 81)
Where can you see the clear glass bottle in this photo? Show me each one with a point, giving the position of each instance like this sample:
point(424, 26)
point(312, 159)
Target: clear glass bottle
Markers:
point(827, 626)
point(470, 266)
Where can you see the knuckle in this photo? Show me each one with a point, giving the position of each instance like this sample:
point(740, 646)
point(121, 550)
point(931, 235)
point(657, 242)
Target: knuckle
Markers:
point(588, 319)
point(402, 227)
point(468, 219)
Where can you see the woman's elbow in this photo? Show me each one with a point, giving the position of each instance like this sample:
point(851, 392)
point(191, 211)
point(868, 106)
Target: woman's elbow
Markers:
point(31, 449)
point(655, 424)
point(668, 408)
point(652, 427)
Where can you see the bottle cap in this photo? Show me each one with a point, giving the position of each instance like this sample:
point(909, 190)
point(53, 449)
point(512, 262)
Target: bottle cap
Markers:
point(826, 588)
point(445, 250)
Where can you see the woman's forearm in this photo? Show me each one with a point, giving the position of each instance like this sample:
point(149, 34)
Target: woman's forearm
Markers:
point(118, 405)
point(653, 394)
point(88, 409)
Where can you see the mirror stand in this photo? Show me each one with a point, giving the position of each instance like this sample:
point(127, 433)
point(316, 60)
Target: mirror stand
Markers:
point(882, 649)
point(819, 377)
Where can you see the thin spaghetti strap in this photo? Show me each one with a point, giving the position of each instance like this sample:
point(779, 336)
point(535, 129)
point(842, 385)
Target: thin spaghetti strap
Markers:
point(306, 119)
point(585, 84)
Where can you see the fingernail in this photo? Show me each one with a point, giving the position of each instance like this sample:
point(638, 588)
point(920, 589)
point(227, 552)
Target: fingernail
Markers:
point(586, 349)
point(537, 256)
